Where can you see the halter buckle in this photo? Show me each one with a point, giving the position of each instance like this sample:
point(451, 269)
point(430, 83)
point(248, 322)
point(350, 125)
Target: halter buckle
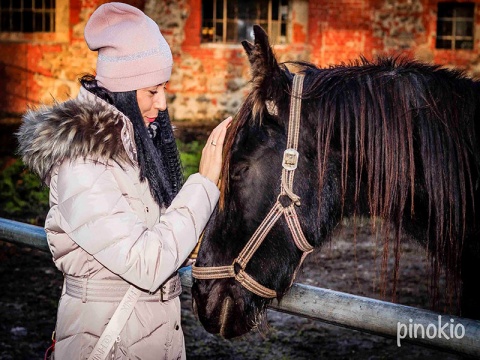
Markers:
point(290, 159)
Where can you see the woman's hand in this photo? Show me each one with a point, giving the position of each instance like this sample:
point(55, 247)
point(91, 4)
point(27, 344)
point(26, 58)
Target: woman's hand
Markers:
point(211, 161)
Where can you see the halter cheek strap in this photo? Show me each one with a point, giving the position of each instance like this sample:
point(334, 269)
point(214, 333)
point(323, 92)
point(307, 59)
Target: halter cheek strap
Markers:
point(290, 162)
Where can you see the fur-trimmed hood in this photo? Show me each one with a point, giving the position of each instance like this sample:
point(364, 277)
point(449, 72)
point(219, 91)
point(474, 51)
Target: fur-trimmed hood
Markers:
point(86, 127)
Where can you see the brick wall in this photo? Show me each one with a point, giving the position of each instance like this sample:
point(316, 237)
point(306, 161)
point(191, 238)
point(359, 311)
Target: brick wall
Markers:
point(36, 71)
point(209, 81)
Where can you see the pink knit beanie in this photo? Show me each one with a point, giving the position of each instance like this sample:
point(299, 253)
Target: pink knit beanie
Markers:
point(132, 53)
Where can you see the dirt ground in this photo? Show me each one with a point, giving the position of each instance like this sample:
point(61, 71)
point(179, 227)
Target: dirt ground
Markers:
point(31, 287)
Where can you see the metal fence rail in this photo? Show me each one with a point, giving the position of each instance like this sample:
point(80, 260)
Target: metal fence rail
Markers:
point(449, 333)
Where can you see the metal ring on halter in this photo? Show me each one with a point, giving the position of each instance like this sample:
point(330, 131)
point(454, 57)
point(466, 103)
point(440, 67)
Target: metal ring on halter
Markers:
point(213, 143)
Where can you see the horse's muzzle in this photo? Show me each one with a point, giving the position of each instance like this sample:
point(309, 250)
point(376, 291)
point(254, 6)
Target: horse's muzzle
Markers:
point(219, 311)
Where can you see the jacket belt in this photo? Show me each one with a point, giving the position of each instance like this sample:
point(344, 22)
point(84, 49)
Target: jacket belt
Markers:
point(114, 290)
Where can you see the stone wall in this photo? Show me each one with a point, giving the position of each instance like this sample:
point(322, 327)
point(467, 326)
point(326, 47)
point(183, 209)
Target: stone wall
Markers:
point(209, 81)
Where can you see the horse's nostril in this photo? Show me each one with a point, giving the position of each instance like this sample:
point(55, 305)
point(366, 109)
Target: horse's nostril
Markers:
point(226, 307)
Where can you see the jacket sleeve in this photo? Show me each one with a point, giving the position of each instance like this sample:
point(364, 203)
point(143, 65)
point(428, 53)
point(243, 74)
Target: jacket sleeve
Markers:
point(97, 216)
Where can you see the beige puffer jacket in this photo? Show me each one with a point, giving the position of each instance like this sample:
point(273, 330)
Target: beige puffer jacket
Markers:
point(104, 225)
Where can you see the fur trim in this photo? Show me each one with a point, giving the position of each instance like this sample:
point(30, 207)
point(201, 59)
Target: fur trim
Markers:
point(73, 129)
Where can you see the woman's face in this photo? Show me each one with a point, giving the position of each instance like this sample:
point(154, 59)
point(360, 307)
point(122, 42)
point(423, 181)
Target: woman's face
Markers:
point(150, 101)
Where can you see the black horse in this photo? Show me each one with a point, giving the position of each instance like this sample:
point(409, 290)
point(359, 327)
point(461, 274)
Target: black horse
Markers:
point(394, 140)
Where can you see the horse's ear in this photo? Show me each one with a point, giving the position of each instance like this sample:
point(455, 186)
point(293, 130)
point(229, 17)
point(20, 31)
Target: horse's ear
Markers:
point(260, 54)
point(265, 71)
point(248, 47)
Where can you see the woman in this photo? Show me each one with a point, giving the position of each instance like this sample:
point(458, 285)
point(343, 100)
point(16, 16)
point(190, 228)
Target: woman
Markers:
point(119, 215)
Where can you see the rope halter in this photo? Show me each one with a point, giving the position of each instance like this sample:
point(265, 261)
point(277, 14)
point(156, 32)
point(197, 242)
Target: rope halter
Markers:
point(290, 161)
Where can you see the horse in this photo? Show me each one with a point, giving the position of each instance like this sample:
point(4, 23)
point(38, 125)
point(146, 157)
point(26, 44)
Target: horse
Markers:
point(392, 139)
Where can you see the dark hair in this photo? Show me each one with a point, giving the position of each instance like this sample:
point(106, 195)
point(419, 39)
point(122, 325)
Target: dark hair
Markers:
point(158, 155)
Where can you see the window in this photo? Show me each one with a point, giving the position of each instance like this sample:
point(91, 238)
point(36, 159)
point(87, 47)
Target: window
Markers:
point(27, 16)
point(231, 21)
point(46, 21)
point(455, 26)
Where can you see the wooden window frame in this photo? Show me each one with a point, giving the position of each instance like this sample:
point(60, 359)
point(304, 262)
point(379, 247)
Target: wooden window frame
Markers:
point(276, 19)
point(58, 33)
point(455, 19)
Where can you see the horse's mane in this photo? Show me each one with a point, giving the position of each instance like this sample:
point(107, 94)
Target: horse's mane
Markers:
point(396, 123)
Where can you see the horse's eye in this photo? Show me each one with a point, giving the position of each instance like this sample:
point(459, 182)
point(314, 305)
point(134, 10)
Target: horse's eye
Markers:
point(239, 172)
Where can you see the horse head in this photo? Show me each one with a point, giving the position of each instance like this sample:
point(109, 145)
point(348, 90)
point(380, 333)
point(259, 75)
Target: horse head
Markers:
point(393, 139)
point(251, 184)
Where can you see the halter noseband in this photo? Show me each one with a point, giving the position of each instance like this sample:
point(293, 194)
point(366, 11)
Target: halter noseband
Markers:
point(290, 161)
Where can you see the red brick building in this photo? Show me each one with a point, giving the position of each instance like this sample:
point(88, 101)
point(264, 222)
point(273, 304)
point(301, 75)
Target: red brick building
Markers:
point(42, 51)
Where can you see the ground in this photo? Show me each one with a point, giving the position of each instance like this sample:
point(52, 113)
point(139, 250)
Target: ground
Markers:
point(31, 286)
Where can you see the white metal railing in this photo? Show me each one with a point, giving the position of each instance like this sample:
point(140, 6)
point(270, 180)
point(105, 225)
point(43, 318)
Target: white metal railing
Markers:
point(460, 335)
